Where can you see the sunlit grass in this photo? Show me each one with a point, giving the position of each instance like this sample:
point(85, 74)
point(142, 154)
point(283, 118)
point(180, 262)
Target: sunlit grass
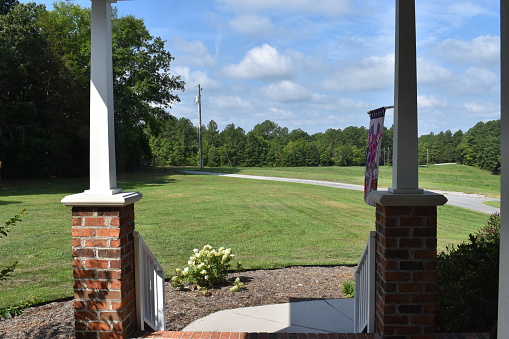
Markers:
point(267, 224)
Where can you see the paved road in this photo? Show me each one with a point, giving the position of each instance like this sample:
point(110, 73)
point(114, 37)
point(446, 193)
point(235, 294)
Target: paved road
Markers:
point(469, 201)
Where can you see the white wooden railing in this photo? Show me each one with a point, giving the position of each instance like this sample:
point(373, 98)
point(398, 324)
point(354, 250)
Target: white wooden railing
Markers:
point(364, 317)
point(149, 287)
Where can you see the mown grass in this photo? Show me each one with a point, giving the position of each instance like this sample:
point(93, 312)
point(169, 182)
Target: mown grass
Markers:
point(450, 177)
point(267, 224)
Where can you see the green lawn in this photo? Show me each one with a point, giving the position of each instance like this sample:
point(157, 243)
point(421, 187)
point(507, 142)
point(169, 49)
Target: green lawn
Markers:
point(453, 177)
point(267, 224)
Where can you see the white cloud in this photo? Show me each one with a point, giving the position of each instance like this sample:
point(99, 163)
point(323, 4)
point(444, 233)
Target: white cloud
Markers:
point(477, 80)
point(373, 73)
point(425, 101)
point(192, 53)
point(483, 50)
point(263, 62)
point(323, 7)
point(430, 73)
point(229, 103)
point(193, 78)
point(253, 25)
point(288, 91)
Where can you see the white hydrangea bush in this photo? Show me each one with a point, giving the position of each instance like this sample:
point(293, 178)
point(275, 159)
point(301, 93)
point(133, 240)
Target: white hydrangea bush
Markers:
point(206, 268)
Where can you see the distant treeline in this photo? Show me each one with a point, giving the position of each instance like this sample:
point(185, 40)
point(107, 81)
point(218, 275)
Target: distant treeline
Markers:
point(268, 144)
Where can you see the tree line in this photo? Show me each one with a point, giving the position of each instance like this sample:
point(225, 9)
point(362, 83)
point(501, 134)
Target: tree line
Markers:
point(269, 144)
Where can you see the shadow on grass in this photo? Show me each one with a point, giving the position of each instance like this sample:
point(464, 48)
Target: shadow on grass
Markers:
point(225, 170)
point(9, 202)
point(67, 186)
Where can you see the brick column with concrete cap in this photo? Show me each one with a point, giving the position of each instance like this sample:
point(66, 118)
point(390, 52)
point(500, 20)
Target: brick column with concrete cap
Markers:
point(103, 261)
point(406, 249)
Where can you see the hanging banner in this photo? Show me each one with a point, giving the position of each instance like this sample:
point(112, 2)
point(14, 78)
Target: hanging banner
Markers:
point(376, 125)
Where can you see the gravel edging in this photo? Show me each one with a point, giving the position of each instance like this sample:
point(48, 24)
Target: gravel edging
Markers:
point(262, 287)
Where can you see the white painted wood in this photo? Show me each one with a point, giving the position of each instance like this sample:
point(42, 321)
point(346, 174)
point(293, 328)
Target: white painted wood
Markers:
point(503, 294)
point(405, 158)
point(149, 277)
point(364, 313)
point(103, 177)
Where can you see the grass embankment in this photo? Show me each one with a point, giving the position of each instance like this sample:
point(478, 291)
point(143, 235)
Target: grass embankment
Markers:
point(267, 224)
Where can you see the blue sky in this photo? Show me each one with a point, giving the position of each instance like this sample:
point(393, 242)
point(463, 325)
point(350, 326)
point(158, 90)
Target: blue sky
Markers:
point(319, 64)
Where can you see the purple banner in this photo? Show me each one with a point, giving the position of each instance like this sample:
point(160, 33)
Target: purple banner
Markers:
point(376, 125)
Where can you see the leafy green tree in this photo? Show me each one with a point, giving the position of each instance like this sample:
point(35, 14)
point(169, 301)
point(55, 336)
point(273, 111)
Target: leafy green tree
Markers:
point(144, 89)
point(480, 146)
point(233, 141)
point(177, 144)
point(45, 88)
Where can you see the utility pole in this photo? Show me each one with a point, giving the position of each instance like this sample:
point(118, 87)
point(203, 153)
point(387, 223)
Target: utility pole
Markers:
point(199, 126)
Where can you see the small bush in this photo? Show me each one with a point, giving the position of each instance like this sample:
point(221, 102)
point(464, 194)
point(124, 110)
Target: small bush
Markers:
point(349, 289)
point(467, 278)
point(206, 268)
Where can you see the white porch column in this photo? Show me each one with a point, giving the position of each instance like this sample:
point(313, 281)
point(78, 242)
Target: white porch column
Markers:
point(405, 164)
point(503, 297)
point(103, 177)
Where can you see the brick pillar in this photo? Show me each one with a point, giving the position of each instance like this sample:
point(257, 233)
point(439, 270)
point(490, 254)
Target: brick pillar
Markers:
point(103, 260)
point(406, 243)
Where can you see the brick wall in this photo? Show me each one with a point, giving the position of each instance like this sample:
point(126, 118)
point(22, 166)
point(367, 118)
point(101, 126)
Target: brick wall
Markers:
point(103, 260)
point(406, 271)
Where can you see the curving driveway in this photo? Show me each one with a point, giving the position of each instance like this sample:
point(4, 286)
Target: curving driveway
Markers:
point(469, 201)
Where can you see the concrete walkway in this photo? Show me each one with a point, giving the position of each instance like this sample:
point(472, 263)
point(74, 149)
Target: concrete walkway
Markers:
point(317, 316)
point(472, 202)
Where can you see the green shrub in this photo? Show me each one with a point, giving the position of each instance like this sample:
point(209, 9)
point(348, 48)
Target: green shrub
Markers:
point(206, 268)
point(467, 278)
point(5, 272)
point(349, 289)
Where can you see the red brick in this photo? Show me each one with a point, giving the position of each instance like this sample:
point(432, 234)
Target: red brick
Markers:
point(94, 263)
point(96, 243)
point(76, 242)
point(410, 242)
point(407, 330)
point(115, 284)
point(111, 316)
point(396, 232)
point(109, 274)
point(425, 211)
point(84, 274)
point(425, 254)
point(80, 326)
point(109, 253)
point(98, 305)
point(115, 263)
point(83, 232)
point(397, 276)
point(115, 221)
point(396, 298)
point(97, 285)
point(83, 252)
point(424, 232)
point(108, 232)
point(85, 315)
point(410, 287)
point(424, 320)
point(411, 221)
point(98, 326)
point(95, 221)
point(424, 276)
point(79, 304)
point(111, 335)
point(77, 221)
point(78, 284)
